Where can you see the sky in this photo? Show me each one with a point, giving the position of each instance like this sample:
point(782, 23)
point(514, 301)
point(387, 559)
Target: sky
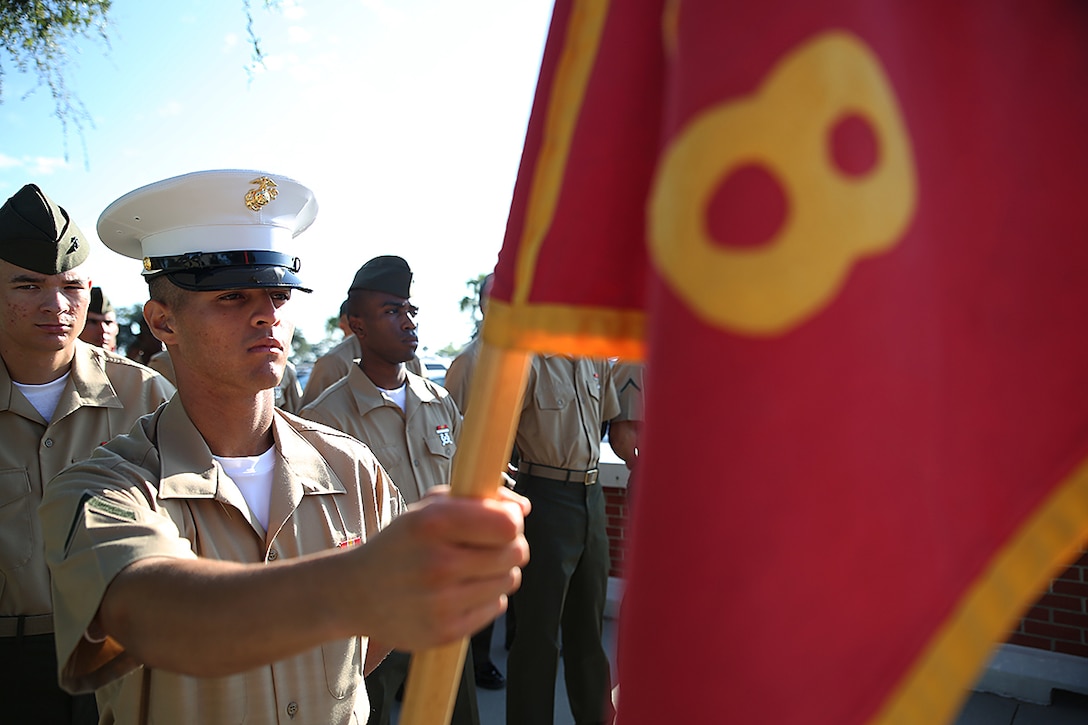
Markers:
point(405, 117)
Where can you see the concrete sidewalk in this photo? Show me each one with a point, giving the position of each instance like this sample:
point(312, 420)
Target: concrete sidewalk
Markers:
point(986, 709)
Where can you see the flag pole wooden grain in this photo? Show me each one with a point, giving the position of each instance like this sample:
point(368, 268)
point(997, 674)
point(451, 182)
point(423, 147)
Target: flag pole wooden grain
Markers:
point(498, 385)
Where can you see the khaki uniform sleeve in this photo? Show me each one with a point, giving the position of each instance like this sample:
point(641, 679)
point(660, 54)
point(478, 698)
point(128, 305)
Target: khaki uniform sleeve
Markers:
point(163, 365)
point(289, 393)
point(316, 414)
point(459, 375)
point(336, 410)
point(97, 520)
point(627, 378)
point(326, 371)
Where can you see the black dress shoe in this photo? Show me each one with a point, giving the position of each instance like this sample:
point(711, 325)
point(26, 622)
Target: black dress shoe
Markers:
point(489, 677)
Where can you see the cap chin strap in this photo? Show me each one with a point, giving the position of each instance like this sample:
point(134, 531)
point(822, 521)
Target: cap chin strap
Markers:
point(250, 270)
point(212, 260)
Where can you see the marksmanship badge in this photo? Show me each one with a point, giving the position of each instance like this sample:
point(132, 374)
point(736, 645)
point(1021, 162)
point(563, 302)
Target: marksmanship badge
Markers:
point(443, 432)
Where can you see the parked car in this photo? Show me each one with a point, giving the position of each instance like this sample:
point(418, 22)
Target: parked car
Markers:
point(435, 368)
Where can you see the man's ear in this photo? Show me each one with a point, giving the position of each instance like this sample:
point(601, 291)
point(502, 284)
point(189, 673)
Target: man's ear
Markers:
point(358, 327)
point(160, 320)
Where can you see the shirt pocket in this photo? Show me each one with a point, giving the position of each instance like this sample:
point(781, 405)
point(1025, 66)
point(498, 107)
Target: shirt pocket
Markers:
point(436, 447)
point(549, 397)
point(593, 387)
point(343, 661)
point(16, 530)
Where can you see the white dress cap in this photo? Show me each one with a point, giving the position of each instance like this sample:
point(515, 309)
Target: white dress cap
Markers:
point(213, 229)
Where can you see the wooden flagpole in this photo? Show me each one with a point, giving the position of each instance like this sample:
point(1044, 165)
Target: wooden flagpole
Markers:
point(498, 385)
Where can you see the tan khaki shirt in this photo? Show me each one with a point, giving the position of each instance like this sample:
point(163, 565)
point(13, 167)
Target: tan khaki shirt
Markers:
point(627, 377)
point(103, 397)
point(158, 492)
point(415, 446)
point(459, 375)
point(289, 392)
point(161, 363)
point(335, 364)
point(566, 402)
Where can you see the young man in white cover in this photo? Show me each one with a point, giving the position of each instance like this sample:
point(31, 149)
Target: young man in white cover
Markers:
point(226, 561)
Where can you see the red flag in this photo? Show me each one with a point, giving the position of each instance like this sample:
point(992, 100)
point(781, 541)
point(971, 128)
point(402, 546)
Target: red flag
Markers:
point(852, 236)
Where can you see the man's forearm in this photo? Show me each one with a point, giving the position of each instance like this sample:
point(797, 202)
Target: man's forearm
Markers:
point(623, 438)
point(212, 618)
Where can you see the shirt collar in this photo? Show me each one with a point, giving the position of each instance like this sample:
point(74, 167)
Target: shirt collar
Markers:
point(88, 379)
point(368, 396)
point(189, 471)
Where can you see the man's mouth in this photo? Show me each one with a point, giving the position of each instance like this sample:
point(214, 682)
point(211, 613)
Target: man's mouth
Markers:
point(268, 344)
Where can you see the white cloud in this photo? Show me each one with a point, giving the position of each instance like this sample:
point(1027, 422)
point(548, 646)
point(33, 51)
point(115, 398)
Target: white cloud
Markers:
point(297, 34)
point(7, 162)
point(293, 10)
point(45, 165)
point(230, 42)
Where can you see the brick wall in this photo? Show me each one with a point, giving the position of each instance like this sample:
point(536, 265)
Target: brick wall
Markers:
point(1058, 622)
point(615, 503)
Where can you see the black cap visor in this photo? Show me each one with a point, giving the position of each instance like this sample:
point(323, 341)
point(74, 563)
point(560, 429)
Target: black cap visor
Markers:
point(228, 270)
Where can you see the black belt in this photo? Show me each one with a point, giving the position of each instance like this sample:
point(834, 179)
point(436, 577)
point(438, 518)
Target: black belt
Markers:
point(559, 474)
point(26, 626)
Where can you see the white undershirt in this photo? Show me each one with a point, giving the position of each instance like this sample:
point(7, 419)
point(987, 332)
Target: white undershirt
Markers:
point(45, 397)
point(253, 476)
point(398, 396)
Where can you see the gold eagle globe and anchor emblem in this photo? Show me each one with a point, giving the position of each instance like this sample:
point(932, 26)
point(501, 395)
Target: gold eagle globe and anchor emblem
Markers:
point(265, 192)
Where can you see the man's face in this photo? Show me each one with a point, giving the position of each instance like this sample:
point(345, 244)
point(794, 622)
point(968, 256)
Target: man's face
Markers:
point(233, 340)
point(41, 312)
point(385, 325)
point(101, 330)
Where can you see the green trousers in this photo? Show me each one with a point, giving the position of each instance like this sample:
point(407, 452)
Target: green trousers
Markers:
point(560, 606)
